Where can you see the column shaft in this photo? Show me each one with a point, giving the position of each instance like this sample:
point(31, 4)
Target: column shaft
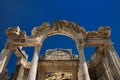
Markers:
point(107, 69)
point(4, 58)
point(20, 72)
point(113, 59)
point(33, 68)
point(83, 64)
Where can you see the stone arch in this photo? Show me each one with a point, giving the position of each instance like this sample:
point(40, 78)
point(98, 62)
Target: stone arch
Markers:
point(62, 27)
point(17, 39)
point(57, 40)
point(67, 28)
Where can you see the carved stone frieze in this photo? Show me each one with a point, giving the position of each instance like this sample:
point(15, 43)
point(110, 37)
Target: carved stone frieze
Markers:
point(91, 34)
point(68, 26)
point(40, 29)
point(103, 32)
point(58, 54)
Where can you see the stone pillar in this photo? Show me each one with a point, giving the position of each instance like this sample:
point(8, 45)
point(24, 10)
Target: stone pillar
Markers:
point(21, 67)
point(83, 64)
point(33, 68)
point(4, 58)
point(107, 69)
point(113, 60)
point(19, 73)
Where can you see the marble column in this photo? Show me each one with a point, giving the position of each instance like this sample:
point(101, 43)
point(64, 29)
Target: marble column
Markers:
point(80, 77)
point(113, 54)
point(114, 60)
point(33, 68)
point(20, 66)
point(83, 64)
point(20, 73)
point(107, 69)
point(4, 58)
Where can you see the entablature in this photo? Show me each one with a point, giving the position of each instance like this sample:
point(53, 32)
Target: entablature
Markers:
point(70, 29)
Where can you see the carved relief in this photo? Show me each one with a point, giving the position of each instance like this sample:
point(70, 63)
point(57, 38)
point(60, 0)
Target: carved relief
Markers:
point(91, 34)
point(104, 32)
point(15, 32)
point(22, 34)
point(40, 29)
point(58, 54)
point(57, 26)
point(65, 25)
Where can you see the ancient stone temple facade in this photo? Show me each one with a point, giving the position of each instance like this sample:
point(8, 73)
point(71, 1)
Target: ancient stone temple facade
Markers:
point(61, 64)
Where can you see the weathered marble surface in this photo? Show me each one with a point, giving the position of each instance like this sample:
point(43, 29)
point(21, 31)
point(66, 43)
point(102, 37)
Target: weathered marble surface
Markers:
point(104, 64)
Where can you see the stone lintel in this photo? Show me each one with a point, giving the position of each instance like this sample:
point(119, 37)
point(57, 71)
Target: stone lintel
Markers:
point(61, 65)
point(26, 41)
point(58, 62)
point(35, 41)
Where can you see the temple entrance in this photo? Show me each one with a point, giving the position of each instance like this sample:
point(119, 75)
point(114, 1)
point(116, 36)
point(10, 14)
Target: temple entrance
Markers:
point(104, 64)
point(58, 64)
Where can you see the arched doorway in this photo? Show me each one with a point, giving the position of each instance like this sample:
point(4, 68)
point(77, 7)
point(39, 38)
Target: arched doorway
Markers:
point(58, 61)
point(69, 29)
point(57, 64)
point(58, 41)
point(100, 39)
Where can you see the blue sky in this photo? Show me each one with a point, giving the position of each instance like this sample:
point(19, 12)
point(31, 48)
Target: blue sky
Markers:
point(88, 13)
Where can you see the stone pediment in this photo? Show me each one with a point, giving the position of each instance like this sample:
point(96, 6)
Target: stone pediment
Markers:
point(58, 54)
